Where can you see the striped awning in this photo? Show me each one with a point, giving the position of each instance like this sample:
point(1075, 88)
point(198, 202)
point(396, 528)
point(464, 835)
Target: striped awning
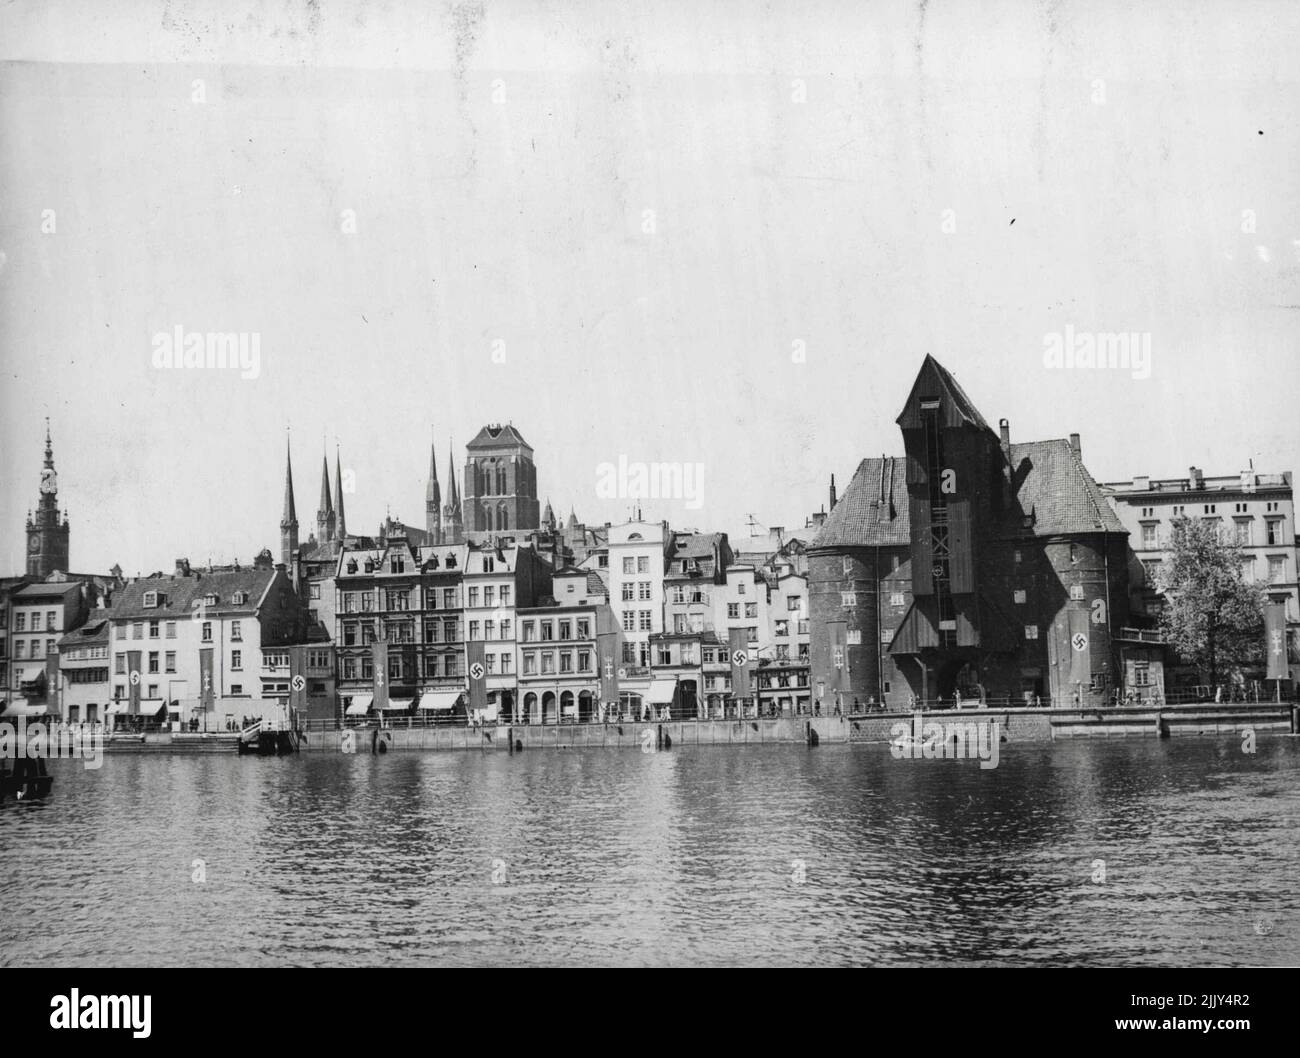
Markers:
point(360, 704)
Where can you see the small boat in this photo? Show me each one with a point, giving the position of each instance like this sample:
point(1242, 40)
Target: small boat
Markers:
point(28, 781)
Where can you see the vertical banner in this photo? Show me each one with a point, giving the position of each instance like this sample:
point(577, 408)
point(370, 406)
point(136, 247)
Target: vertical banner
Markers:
point(52, 695)
point(477, 672)
point(206, 695)
point(135, 676)
point(1275, 641)
point(1078, 630)
point(379, 658)
point(298, 679)
point(738, 640)
point(835, 634)
point(607, 652)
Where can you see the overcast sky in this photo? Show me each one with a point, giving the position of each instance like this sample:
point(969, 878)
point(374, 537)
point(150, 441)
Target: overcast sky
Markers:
point(715, 234)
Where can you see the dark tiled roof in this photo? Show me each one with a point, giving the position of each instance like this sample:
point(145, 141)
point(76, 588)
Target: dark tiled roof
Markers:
point(1056, 487)
point(92, 633)
point(963, 402)
point(179, 593)
point(505, 435)
point(873, 510)
point(596, 583)
point(47, 591)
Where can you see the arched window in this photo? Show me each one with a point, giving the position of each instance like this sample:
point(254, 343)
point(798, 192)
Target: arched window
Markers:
point(501, 481)
point(487, 517)
point(503, 516)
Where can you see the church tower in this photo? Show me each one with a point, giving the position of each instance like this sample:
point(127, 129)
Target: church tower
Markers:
point(325, 512)
point(433, 502)
point(453, 526)
point(500, 485)
point(47, 537)
point(289, 521)
point(340, 524)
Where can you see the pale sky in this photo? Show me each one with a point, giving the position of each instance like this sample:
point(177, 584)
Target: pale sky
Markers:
point(649, 210)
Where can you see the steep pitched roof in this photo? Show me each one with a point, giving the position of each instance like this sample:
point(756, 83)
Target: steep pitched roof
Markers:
point(1051, 482)
point(504, 435)
point(873, 510)
point(936, 380)
point(92, 633)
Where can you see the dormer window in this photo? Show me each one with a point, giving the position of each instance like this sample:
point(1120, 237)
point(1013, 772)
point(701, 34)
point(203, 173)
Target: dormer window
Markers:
point(210, 599)
point(240, 598)
point(352, 565)
point(370, 566)
point(150, 599)
point(451, 561)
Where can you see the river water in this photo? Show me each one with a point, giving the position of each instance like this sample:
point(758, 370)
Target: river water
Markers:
point(708, 855)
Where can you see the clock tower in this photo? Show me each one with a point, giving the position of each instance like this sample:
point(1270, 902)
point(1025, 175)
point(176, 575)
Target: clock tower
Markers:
point(47, 537)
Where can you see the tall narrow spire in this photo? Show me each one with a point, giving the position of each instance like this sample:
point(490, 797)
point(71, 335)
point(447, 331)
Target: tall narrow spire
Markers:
point(340, 526)
point(49, 446)
point(290, 510)
point(289, 521)
point(325, 512)
point(433, 501)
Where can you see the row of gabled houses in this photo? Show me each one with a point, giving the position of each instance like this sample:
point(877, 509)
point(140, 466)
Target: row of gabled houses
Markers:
point(972, 566)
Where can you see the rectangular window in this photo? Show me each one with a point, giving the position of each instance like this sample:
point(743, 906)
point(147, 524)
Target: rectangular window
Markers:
point(473, 630)
point(1149, 538)
point(665, 654)
point(628, 564)
point(1241, 533)
point(740, 588)
point(236, 659)
point(450, 631)
point(235, 634)
point(1019, 596)
point(645, 621)
point(792, 603)
point(848, 598)
point(751, 609)
point(489, 629)
point(564, 630)
point(505, 663)
point(170, 660)
point(207, 632)
point(527, 627)
point(566, 661)
point(643, 591)
point(530, 663)
point(171, 630)
point(781, 628)
point(679, 593)
point(733, 610)
point(20, 622)
point(449, 598)
point(489, 564)
point(627, 591)
point(548, 631)
point(153, 661)
point(629, 620)
point(489, 595)
point(584, 660)
point(505, 629)
point(472, 599)
point(584, 628)
point(1276, 569)
point(155, 629)
point(490, 660)
point(548, 662)
point(153, 690)
point(505, 594)
point(314, 590)
point(1274, 532)
point(137, 629)
point(1031, 631)
point(642, 564)
point(629, 653)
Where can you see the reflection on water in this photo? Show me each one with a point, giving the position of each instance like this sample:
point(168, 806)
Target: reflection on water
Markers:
point(682, 857)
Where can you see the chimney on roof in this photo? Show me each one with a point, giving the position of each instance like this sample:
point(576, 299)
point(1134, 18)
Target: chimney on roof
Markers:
point(1075, 447)
point(1004, 428)
point(1194, 478)
point(833, 492)
point(182, 567)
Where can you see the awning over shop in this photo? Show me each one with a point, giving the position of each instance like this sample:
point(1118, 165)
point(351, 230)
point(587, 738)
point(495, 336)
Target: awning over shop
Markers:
point(661, 692)
point(398, 705)
point(118, 706)
point(20, 707)
point(360, 704)
point(438, 701)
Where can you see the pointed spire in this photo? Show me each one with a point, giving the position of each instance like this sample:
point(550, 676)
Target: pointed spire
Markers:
point(432, 492)
point(340, 526)
point(290, 511)
point(454, 499)
point(49, 447)
point(326, 504)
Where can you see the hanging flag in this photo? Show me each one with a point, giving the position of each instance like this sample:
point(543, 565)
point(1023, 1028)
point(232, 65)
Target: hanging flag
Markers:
point(135, 676)
point(1275, 641)
point(1078, 630)
point(738, 644)
point(838, 673)
point(206, 695)
point(607, 652)
point(477, 671)
point(379, 658)
point(298, 679)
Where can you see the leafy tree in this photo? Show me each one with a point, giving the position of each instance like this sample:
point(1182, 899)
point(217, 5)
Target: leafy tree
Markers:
point(1212, 617)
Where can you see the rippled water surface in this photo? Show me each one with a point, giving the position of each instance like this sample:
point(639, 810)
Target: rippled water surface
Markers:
point(682, 857)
